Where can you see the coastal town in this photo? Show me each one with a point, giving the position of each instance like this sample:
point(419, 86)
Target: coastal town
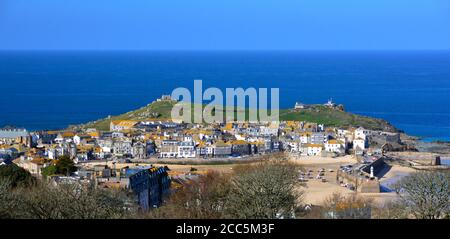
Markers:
point(159, 138)
point(142, 155)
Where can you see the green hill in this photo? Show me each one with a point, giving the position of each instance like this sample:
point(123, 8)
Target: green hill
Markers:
point(333, 117)
point(316, 114)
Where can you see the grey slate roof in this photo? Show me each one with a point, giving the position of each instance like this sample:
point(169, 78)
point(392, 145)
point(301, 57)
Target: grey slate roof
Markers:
point(13, 133)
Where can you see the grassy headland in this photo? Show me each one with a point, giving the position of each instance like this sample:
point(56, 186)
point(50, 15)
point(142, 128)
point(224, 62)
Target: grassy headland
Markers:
point(315, 113)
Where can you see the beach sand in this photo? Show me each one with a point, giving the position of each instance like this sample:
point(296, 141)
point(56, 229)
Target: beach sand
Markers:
point(316, 191)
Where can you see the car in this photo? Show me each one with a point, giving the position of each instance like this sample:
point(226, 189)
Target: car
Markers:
point(302, 179)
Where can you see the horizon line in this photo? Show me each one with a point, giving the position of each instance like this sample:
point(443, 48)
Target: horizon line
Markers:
point(222, 50)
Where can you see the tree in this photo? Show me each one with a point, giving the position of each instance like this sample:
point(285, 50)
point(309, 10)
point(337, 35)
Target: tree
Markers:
point(7, 200)
point(16, 176)
point(65, 166)
point(426, 195)
point(49, 170)
point(264, 190)
point(64, 201)
point(338, 206)
point(390, 210)
point(204, 198)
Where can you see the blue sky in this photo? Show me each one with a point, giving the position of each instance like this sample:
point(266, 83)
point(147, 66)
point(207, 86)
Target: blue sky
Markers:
point(225, 24)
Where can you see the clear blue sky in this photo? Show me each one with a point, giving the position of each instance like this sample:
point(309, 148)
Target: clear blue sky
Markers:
point(224, 24)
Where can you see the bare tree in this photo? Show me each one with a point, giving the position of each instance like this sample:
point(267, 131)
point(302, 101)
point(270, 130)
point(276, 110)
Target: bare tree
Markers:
point(426, 195)
point(338, 206)
point(204, 198)
point(7, 200)
point(264, 190)
point(390, 210)
point(66, 201)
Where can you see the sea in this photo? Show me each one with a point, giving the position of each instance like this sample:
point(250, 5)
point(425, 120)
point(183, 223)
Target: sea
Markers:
point(54, 89)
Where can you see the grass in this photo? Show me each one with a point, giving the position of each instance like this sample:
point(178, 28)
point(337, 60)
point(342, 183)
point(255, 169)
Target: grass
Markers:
point(315, 114)
point(332, 117)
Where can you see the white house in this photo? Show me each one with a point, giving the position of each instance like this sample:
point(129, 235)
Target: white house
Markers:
point(271, 130)
point(335, 146)
point(59, 139)
point(77, 139)
point(359, 144)
point(312, 149)
point(293, 146)
point(362, 133)
point(299, 105)
point(210, 150)
point(342, 132)
point(122, 147)
point(106, 145)
point(305, 138)
point(169, 149)
point(186, 149)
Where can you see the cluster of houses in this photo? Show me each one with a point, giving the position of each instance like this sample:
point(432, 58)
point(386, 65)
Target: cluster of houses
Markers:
point(158, 138)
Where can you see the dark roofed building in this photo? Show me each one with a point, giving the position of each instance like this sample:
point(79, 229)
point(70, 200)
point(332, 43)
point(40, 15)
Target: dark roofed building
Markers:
point(150, 184)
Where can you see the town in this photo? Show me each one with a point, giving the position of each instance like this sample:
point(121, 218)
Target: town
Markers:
point(158, 138)
point(130, 142)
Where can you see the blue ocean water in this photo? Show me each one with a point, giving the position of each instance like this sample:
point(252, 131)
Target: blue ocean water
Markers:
point(48, 90)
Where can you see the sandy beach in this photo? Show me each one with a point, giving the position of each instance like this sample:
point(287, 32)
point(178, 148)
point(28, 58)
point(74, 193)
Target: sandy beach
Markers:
point(317, 191)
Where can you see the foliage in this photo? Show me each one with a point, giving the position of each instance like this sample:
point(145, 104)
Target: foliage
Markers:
point(65, 165)
point(49, 170)
point(16, 176)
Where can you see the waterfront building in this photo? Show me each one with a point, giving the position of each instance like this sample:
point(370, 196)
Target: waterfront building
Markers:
point(335, 146)
point(312, 149)
point(11, 135)
point(168, 149)
point(186, 149)
point(222, 149)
